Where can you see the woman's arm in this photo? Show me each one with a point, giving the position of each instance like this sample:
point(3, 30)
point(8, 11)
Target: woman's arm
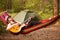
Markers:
point(28, 21)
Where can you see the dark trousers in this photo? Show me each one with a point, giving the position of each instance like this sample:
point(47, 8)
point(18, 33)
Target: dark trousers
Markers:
point(31, 24)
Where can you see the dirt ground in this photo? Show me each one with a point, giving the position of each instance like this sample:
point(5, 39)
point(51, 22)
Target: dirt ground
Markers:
point(51, 32)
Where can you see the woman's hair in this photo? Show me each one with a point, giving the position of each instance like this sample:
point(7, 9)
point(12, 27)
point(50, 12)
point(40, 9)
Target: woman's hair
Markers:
point(8, 18)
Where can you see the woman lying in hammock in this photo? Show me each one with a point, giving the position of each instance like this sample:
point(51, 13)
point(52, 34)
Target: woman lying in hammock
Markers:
point(16, 27)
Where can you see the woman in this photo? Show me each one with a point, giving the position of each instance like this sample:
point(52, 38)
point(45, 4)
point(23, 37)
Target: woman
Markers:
point(28, 23)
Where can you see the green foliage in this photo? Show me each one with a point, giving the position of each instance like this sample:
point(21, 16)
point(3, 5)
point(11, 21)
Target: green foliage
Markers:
point(42, 7)
point(32, 5)
point(45, 15)
point(17, 5)
point(2, 28)
point(3, 4)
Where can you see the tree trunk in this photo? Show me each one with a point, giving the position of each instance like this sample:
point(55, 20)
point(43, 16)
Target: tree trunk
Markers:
point(56, 7)
point(9, 4)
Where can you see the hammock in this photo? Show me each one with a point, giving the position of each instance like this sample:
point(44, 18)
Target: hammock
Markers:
point(2, 17)
point(44, 23)
point(32, 28)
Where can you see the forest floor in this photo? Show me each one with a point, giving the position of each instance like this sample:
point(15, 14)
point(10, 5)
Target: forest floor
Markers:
point(51, 32)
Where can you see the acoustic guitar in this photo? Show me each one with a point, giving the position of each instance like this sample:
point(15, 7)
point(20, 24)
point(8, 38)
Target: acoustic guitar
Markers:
point(17, 28)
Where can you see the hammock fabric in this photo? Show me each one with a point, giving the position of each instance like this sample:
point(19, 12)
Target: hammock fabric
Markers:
point(32, 28)
point(44, 23)
point(2, 17)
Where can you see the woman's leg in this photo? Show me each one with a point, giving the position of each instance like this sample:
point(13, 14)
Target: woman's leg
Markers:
point(33, 23)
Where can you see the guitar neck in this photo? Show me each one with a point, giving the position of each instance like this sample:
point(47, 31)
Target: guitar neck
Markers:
point(27, 20)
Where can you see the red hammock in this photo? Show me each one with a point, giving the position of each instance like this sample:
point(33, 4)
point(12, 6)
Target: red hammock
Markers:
point(32, 28)
point(44, 23)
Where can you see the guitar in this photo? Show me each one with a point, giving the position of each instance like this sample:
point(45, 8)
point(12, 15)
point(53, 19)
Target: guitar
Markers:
point(17, 28)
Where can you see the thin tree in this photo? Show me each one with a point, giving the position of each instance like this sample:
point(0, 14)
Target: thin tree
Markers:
point(9, 4)
point(56, 7)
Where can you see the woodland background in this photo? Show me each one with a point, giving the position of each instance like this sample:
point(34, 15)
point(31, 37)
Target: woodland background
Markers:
point(44, 8)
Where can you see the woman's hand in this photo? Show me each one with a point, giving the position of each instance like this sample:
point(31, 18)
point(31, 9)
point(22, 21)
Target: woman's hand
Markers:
point(28, 20)
point(23, 25)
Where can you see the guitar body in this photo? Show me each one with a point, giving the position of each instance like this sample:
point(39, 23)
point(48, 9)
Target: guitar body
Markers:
point(15, 29)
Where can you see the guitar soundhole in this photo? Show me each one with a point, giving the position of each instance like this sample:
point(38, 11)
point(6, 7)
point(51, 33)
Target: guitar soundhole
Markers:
point(16, 29)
